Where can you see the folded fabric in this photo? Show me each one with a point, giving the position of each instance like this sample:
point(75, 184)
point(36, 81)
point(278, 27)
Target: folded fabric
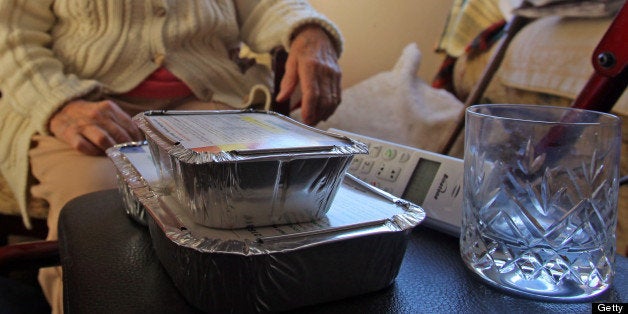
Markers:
point(466, 20)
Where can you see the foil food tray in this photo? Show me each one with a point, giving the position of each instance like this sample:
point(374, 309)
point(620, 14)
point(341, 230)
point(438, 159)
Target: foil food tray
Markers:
point(220, 164)
point(356, 248)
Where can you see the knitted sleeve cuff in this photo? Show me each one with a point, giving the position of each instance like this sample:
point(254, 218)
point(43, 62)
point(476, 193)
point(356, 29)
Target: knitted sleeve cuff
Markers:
point(48, 106)
point(329, 27)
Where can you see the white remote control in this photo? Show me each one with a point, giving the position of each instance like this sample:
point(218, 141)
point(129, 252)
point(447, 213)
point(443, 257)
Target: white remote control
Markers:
point(430, 180)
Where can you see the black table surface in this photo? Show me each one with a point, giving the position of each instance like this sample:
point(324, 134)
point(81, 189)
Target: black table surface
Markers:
point(109, 266)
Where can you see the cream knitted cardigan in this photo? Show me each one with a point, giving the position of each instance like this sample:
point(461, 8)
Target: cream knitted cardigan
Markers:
point(55, 51)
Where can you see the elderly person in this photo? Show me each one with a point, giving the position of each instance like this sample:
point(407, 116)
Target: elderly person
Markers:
point(74, 72)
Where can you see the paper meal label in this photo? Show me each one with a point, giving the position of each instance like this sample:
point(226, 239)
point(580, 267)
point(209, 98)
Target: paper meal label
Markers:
point(352, 208)
point(216, 133)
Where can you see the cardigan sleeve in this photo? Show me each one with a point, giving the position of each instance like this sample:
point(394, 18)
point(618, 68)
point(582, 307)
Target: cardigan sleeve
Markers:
point(32, 80)
point(266, 24)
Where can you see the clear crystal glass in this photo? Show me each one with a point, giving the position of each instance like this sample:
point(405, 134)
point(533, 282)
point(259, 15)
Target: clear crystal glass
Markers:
point(540, 199)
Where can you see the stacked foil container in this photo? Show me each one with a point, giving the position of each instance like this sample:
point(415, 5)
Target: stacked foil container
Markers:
point(341, 238)
point(249, 168)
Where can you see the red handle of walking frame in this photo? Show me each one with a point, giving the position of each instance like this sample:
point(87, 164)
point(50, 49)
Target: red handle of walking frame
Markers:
point(610, 62)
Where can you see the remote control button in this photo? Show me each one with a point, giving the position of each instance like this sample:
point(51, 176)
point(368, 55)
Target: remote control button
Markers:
point(404, 157)
point(381, 169)
point(389, 154)
point(366, 166)
point(394, 174)
point(355, 164)
point(374, 151)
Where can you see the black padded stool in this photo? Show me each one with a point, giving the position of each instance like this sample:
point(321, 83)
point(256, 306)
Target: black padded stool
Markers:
point(109, 266)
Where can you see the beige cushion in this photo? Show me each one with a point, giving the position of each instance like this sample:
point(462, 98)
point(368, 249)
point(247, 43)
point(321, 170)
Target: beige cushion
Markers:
point(553, 56)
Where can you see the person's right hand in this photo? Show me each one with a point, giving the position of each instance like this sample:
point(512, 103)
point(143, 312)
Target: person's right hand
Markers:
point(92, 127)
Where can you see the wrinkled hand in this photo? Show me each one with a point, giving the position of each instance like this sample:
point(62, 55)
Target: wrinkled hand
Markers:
point(313, 62)
point(92, 127)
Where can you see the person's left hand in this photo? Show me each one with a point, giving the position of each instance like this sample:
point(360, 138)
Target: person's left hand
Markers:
point(313, 62)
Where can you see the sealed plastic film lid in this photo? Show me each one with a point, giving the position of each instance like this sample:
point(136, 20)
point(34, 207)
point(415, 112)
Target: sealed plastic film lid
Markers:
point(227, 134)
